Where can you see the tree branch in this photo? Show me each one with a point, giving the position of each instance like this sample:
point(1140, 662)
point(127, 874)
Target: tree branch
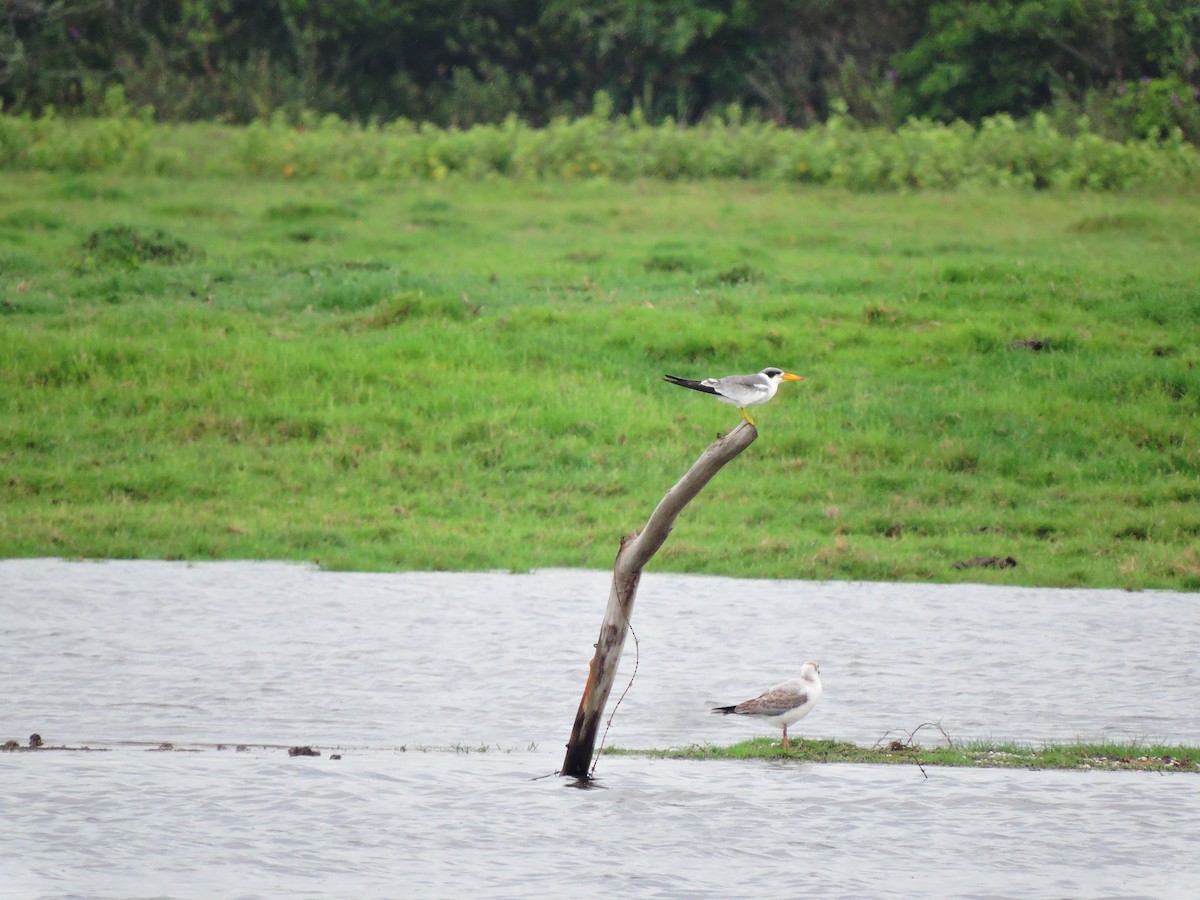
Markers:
point(637, 550)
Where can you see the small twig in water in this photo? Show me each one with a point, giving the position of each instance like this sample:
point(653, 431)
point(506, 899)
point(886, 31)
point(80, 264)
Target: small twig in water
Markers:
point(910, 742)
point(938, 726)
point(608, 724)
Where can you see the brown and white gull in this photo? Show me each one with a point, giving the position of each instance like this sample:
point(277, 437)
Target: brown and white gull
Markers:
point(786, 703)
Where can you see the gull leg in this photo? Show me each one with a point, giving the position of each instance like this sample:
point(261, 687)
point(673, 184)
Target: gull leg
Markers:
point(746, 415)
point(785, 740)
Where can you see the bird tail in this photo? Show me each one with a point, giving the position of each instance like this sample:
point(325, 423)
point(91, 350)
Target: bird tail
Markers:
point(689, 383)
point(726, 710)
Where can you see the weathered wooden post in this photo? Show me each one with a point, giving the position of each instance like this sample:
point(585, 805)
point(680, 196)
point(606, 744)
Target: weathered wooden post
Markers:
point(636, 550)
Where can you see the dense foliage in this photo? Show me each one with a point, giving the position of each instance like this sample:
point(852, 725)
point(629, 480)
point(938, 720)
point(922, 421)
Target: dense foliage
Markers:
point(1131, 65)
point(919, 154)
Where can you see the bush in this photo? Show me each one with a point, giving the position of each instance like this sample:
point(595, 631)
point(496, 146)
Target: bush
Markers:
point(118, 140)
point(921, 154)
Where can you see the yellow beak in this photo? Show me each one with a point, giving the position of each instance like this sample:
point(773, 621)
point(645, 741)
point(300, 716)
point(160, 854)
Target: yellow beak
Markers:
point(788, 376)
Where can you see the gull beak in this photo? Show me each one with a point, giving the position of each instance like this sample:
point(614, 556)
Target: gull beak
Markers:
point(788, 376)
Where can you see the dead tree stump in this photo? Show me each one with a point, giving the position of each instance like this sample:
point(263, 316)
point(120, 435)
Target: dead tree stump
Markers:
point(636, 550)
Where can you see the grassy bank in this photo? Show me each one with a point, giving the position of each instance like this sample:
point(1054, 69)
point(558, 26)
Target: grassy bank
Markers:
point(1133, 757)
point(379, 375)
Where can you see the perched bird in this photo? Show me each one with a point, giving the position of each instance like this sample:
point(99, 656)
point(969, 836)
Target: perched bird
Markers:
point(740, 390)
point(786, 703)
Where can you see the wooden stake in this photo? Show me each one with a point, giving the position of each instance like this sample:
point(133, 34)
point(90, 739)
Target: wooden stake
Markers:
point(636, 550)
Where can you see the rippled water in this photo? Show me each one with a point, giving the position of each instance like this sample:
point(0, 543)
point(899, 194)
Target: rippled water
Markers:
point(449, 696)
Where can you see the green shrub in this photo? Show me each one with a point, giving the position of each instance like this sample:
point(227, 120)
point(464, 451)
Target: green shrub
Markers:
point(920, 154)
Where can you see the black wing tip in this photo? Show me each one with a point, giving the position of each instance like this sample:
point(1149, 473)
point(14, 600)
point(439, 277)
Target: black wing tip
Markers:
point(725, 710)
point(689, 383)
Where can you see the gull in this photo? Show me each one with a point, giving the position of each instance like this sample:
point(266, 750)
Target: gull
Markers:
point(786, 703)
point(740, 390)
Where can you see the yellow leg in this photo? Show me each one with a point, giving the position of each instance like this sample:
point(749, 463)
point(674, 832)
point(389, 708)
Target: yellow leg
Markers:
point(746, 415)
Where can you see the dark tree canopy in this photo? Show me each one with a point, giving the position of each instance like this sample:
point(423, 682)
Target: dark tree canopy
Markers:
point(471, 61)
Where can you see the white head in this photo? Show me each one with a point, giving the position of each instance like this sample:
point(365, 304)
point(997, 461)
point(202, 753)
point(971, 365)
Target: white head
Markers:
point(777, 375)
point(810, 671)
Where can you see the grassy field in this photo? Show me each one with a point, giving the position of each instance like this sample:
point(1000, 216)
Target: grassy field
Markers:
point(1105, 756)
point(452, 375)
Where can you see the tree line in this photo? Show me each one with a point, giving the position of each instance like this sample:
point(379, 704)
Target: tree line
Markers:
point(1129, 65)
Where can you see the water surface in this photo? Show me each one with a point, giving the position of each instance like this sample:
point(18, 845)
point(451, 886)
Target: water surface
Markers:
point(450, 696)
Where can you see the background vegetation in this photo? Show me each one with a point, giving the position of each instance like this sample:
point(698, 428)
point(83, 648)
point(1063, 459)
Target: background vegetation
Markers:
point(466, 374)
point(1129, 65)
point(601, 147)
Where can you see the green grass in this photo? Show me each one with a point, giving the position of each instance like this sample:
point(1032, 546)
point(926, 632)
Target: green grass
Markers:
point(464, 376)
point(1102, 756)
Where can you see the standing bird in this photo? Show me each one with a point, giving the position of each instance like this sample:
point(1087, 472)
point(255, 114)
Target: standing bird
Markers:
point(740, 390)
point(786, 703)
